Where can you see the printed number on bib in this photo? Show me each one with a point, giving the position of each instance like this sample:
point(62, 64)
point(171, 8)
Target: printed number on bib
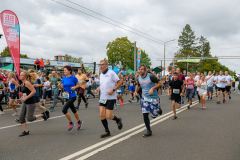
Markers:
point(102, 101)
point(119, 90)
point(0, 92)
point(147, 100)
point(66, 95)
point(80, 82)
point(53, 86)
point(190, 86)
point(210, 85)
point(176, 91)
point(24, 95)
point(131, 84)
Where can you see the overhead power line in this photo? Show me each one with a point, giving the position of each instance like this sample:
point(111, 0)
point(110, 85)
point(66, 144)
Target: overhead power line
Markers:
point(162, 42)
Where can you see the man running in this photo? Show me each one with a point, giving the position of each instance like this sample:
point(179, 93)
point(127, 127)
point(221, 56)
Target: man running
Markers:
point(196, 79)
point(149, 84)
point(210, 85)
point(229, 80)
point(176, 90)
point(215, 81)
point(82, 79)
point(131, 81)
point(54, 81)
point(221, 79)
point(109, 83)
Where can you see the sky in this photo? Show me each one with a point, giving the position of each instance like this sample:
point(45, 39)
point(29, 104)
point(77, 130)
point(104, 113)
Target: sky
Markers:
point(48, 28)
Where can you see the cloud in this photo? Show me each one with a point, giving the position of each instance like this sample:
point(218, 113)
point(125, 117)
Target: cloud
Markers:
point(48, 29)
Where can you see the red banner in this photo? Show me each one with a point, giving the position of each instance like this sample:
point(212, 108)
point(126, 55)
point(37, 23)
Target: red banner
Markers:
point(11, 29)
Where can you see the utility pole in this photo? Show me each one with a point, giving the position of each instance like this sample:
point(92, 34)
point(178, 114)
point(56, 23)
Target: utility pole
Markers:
point(164, 53)
point(161, 68)
point(135, 58)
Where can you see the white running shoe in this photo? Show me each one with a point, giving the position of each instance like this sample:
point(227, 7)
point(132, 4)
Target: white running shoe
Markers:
point(15, 114)
point(1, 112)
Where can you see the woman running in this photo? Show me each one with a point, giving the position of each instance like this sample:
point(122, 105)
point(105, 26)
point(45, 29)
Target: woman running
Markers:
point(13, 86)
point(190, 89)
point(28, 103)
point(2, 95)
point(120, 90)
point(69, 84)
point(202, 84)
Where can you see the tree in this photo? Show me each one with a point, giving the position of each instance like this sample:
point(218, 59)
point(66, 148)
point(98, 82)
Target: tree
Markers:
point(69, 58)
point(204, 47)
point(120, 51)
point(187, 40)
point(6, 53)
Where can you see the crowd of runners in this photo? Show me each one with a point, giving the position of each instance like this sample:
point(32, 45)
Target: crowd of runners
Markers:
point(31, 89)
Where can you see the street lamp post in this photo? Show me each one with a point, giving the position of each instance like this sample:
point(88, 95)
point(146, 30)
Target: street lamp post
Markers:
point(164, 53)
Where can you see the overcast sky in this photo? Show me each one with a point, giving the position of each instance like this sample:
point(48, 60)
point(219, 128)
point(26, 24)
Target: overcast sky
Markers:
point(48, 29)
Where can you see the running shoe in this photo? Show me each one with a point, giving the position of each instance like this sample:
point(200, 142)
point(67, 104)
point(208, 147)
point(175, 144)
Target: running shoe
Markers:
point(17, 120)
point(70, 127)
point(130, 100)
point(51, 109)
point(79, 125)
point(211, 98)
point(86, 105)
point(224, 101)
point(137, 99)
point(203, 107)
point(208, 98)
point(174, 117)
point(218, 102)
point(77, 107)
point(44, 116)
point(24, 134)
point(119, 123)
point(15, 114)
point(121, 103)
point(1, 113)
point(230, 97)
point(47, 114)
point(148, 134)
point(188, 107)
point(106, 134)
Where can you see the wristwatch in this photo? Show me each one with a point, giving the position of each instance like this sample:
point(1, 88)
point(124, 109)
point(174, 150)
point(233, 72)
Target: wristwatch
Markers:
point(114, 90)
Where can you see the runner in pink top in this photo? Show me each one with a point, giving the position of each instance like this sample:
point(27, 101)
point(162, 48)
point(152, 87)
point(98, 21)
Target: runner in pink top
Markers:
point(190, 88)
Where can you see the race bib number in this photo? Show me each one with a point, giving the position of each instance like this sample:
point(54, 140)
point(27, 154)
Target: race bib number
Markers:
point(204, 88)
point(147, 100)
point(190, 86)
point(131, 84)
point(80, 82)
point(119, 90)
point(102, 101)
point(66, 95)
point(210, 85)
point(53, 86)
point(24, 95)
point(0, 92)
point(176, 91)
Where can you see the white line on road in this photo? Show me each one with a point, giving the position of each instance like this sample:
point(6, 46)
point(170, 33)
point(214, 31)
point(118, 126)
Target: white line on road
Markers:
point(123, 133)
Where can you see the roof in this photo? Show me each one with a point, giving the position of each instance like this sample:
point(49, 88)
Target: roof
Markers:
point(60, 55)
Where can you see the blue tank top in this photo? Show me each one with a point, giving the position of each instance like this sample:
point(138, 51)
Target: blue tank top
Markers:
point(36, 88)
point(11, 85)
point(146, 85)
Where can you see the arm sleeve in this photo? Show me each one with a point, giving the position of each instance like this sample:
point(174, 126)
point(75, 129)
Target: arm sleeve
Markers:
point(154, 79)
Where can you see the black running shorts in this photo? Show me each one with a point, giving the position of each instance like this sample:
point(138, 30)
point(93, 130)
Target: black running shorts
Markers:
point(228, 88)
point(109, 104)
point(176, 98)
point(221, 89)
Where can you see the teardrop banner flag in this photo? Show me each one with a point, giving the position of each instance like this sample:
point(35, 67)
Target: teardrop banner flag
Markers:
point(11, 29)
point(138, 57)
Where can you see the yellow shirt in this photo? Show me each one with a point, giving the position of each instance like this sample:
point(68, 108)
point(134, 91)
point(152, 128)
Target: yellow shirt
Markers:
point(82, 78)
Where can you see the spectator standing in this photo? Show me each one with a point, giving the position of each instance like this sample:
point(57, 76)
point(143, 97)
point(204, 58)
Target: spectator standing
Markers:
point(37, 64)
point(41, 63)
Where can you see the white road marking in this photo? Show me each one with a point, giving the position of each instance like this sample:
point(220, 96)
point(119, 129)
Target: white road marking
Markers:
point(165, 116)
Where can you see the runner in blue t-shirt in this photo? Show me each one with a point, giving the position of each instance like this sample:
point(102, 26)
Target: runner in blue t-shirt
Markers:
point(69, 84)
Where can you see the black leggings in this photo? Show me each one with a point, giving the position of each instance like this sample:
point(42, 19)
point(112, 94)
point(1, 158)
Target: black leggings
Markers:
point(80, 95)
point(1, 98)
point(69, 104)
point(146, 121)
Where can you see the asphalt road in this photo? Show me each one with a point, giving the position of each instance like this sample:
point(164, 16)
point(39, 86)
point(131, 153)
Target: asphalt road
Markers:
point(197, 134)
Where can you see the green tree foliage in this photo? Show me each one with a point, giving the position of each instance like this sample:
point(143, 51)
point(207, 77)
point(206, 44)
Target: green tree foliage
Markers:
point(121, 51)
point(187, 40)
point(69, 58)
point(6, 53)
point(190, 46)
